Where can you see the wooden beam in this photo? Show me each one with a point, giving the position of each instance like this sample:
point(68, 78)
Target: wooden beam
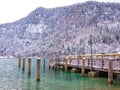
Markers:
point(55, 64)
point(19, 63)
point(23, 64)
point(29, 66)
point(110, 71)
point(83, 67)
point(66, 66)
point(38, 70)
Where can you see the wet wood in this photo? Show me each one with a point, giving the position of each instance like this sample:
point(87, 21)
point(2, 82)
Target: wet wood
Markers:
point(49, 64)
point(83, 67)
point(110, 71)
point(66, 66)
point(38, 70)
point(29, 66)
point(103, 57)
point(55, 64)
point(23, 64)
point(44, 62)
point(78, 60)
point(19, 63)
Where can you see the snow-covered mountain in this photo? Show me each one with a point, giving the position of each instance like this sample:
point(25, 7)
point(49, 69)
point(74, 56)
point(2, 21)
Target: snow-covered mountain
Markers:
point(64, 31)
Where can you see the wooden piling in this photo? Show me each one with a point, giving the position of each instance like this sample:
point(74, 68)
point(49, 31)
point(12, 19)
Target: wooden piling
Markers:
point(88, 58)
point(110, 71)
point(103, 57)
point(38, 70)
point(29, 66)
point(19, 63)
point(55, 64)
point(66, 66)
point(78, 62)
point(44, 63)
point(49, 64)
point(70, 59)
point(83, 67)
point(23, 64)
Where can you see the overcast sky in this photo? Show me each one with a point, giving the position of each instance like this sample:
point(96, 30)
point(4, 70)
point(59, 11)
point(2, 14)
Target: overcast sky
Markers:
point(11, 10)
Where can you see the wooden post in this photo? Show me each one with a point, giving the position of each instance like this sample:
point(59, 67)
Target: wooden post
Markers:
point(96, 57)
point(66, 66)
point(38, 70)
point(78, 58)
point(110, 71)
point(83, 67)
point(70, 60)
point(29, 66)
point(23, 64)
point(88, 61)
point(49, 64)
point(55, 64)
point(103, 57)
point(19, 63)
point(44, 63)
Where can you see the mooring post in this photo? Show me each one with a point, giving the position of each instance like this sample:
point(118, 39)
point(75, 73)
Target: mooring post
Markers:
point(29, 66)
point(78, 58)
point(49, 63)
point(66, 66)
point(70, 60)
point(83, 67)
point(19, 63)
point(103, 57)
point(55, 64)
point(38, 70)
point(23, 64)
point(44, 63)
point(110, 71)
point(88, 61)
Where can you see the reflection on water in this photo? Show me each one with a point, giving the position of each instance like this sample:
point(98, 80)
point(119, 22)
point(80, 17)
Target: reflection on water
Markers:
point(12, 78)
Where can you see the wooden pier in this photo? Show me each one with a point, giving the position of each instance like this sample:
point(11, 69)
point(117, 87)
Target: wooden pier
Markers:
point(109, 63)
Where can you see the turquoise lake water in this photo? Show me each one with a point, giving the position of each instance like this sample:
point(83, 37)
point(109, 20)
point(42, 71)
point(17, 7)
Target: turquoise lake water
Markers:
point(12, 78)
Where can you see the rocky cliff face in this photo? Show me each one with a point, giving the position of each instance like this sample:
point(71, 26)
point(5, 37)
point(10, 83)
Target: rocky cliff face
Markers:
point(64, 31)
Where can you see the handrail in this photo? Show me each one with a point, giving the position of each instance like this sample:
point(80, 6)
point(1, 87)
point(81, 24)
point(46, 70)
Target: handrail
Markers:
point(89, 55)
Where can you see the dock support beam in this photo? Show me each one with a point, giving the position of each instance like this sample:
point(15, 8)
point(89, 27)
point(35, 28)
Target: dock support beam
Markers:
point(23, 64)
point(44, 62)
point(110, 71)
point(29, 66)
point(19, 63)
point(49, 64)
point(55, 64)
point(83, 68)
point(38, 70)
point(66, 66)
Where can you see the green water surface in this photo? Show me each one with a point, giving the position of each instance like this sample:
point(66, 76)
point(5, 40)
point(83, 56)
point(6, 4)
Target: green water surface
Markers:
point(12, 78)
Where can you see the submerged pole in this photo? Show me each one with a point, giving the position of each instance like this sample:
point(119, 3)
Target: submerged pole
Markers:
point(19, 63)
point(29, 66)
point(23, 64)
point(110, 71)
point(83, 67)
point(38, 70)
